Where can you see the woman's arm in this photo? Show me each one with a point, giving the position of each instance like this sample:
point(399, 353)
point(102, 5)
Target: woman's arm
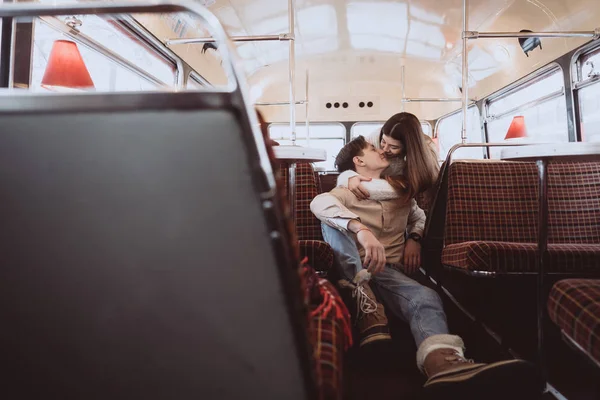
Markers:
point(344, 177)
point(352, 180)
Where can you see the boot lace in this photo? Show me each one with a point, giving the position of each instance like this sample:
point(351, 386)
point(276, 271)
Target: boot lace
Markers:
point(363, 302)
point(453, 357)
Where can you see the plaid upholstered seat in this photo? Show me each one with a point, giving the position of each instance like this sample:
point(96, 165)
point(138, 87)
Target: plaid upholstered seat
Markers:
point(492, 217)
point(507, 257)
point(307, 187)
point(331, 338)
point(308, 227)
point(574, 306)
point(318, 252)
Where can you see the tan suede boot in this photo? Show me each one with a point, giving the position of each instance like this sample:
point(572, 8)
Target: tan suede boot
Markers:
point(448, 371)
point(367, 313)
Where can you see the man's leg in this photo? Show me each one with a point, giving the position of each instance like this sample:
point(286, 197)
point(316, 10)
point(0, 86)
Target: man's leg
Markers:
point(345, 251)
point(418, 305)
point(368, 314)
point(441, 355)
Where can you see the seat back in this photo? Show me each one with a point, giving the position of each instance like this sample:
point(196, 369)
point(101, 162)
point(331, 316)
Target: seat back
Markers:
point(307, 188)
point(137, 260)
point(492, 201)
point(433, 240)
point(574, 202)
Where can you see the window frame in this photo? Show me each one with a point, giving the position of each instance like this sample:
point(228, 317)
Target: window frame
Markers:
point(482, 132)
point(579, 59)
point(342, 137)
point(522, 84)
point(422, 121)
point(198, 79)
point(309, 125)
point(579, 82)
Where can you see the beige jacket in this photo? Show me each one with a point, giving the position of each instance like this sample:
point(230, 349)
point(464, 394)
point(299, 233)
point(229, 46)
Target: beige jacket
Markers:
point(387, 219)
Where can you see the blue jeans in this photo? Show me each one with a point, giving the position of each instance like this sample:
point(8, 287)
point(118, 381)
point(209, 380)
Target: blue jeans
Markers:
point(418, 305)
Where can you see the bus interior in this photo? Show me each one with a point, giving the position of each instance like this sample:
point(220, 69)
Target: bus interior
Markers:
point(158, 160)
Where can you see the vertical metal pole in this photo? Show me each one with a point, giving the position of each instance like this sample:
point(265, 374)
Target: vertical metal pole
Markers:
point(292, 188)
point(292, 65)
point(465, 74)
point(572, 103)
point(542, 166)
point(403, 77)
point(306, 102)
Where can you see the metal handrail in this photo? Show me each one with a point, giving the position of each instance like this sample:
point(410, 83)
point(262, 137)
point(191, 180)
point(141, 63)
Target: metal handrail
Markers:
point(460, 145)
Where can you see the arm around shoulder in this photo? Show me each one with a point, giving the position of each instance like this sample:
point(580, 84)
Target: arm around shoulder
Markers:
point(343, 178)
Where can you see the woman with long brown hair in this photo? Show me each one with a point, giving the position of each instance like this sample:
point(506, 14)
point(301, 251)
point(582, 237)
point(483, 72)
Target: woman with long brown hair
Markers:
point(412, 155)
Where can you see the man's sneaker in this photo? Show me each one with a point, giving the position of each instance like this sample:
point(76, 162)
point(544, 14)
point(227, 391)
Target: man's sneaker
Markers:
point(367, 313)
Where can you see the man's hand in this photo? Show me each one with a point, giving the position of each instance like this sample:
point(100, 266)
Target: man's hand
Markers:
point(412, 256)
point(374, 251)
point(357, 189)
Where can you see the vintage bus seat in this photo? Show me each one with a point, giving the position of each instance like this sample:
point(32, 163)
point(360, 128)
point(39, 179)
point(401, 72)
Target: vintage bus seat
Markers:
point(307, 188)
point(484, 224)
point(312, 245)
point(491, 222)
point(331, 335)
point(137, 260)
point(574, 306)
point(433, 237)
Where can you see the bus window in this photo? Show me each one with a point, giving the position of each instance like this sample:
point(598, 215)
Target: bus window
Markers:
point(125, 44)
point(366, 129)
point(330, 137)
point(589, 97)
point(449, 131)
point(106, 74)
point(541, 102)
point(426, 126)
point(589, 104)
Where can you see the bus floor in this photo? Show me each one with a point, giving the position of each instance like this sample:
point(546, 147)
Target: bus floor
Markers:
point(388, 370)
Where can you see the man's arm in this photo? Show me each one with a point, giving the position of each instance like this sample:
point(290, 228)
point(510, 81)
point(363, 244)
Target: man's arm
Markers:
point(331, 210)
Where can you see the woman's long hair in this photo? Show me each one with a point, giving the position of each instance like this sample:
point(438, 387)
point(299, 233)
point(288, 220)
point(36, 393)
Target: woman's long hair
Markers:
point(421, 168)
